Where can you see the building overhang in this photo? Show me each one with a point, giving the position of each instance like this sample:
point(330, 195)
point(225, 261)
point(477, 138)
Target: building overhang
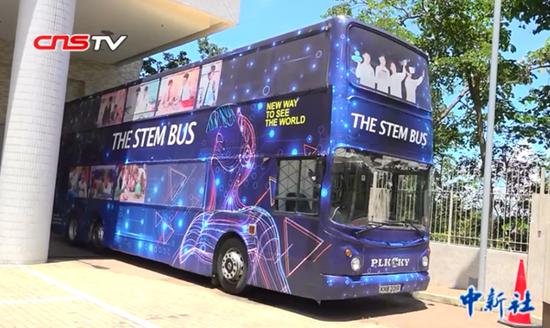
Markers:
point(152, 26)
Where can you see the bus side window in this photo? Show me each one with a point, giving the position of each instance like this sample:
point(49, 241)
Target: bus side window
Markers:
point(298, 186)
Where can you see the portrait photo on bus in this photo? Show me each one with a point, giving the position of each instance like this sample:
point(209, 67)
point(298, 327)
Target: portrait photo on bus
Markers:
point(209, 84)
point(141, 101)
point(111, 108)
point(384, 65)
point(131, 183)
point(178, 92)
point(102, 182)
point(78, 181)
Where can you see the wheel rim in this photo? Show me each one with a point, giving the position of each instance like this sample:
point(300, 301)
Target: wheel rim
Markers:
point(73, 229)
point(232, 265)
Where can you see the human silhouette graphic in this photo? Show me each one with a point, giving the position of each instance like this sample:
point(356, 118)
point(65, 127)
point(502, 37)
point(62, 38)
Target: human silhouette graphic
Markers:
point(364, 71)
point(382, 76)
point(396, 80)
point(411, 84)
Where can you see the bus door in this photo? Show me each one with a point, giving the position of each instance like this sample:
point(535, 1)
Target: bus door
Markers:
point(297, 213)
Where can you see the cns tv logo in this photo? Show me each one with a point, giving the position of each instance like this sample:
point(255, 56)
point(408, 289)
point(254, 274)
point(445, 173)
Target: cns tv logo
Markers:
point(77, 42)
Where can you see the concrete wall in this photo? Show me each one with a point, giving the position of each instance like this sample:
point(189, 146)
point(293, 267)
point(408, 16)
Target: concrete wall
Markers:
point(6, 51)
point(546, 314)
point(538, 254)
point(543, 211)
point(87, 77)
point(457, 266)
point(541, 208)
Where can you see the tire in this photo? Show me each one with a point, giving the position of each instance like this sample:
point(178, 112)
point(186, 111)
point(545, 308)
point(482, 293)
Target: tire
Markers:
point(232, 266)
point(72, 231)
point(97, 235)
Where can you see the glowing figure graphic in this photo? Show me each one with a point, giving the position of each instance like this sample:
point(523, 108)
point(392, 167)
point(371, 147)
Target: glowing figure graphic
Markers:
point(233, 153)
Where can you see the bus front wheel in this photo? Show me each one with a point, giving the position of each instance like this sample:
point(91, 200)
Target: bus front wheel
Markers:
point(232, 266)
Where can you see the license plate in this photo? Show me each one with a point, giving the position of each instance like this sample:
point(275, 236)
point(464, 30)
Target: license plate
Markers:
point(389, 289)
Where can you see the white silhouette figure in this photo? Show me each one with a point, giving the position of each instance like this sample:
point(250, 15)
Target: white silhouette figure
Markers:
point(382, 76)
point(365, 72)
point(411, 84)
point(396, 80)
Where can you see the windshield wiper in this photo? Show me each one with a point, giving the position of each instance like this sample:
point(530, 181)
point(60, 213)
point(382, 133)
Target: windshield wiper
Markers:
point(411, 224)
point(378, 224)
point(374, 226)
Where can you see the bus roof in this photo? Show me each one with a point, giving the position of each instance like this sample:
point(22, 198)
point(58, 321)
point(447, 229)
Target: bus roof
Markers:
point(324, 25)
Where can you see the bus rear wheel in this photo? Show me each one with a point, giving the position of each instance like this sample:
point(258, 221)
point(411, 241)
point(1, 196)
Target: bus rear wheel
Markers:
point(72, 230)
point(232, 266)
point(96, 237)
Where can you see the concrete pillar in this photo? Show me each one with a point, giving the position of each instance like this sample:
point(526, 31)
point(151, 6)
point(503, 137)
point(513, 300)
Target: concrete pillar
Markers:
point(32, 132)
point(546, 297)
point(538, 231)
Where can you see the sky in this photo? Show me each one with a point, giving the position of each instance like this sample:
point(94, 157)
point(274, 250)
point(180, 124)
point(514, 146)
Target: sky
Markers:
point(263, 19)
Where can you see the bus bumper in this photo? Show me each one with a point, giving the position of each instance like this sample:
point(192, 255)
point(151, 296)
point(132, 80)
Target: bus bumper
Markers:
point(344, 287)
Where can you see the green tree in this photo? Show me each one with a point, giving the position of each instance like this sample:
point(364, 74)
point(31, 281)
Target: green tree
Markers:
point(171, 60)
point(209, 49)
point(527, 11)
point(537, 119)
point(457, 35)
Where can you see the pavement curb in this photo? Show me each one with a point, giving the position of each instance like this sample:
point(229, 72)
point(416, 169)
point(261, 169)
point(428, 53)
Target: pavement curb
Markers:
point(444, 299)
point(449, 300)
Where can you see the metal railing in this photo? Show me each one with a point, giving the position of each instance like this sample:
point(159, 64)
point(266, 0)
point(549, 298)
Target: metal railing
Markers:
point(457, 203)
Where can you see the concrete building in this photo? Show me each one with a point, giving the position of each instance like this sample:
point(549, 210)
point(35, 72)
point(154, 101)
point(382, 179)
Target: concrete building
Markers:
point(35, 84)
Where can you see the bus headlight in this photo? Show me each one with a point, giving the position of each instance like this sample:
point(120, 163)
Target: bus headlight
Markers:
point(355, 264)
point(425, 261)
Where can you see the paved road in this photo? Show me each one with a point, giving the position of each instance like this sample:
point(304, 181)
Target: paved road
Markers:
point(79, 289)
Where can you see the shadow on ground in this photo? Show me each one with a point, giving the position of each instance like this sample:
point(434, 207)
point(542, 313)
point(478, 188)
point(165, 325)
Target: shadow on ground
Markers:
point(346, 310)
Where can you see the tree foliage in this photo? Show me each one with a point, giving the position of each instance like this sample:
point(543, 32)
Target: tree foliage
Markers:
point(171, 60)
point(209, 49)
point(527, 11)
point(536, 117)
point(457, 36)
point(536, 120)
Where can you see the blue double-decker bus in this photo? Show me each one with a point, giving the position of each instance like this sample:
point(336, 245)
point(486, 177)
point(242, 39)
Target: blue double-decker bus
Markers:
point(299, 164)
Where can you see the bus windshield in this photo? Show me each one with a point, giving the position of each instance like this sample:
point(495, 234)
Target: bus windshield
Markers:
point(371, 188)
